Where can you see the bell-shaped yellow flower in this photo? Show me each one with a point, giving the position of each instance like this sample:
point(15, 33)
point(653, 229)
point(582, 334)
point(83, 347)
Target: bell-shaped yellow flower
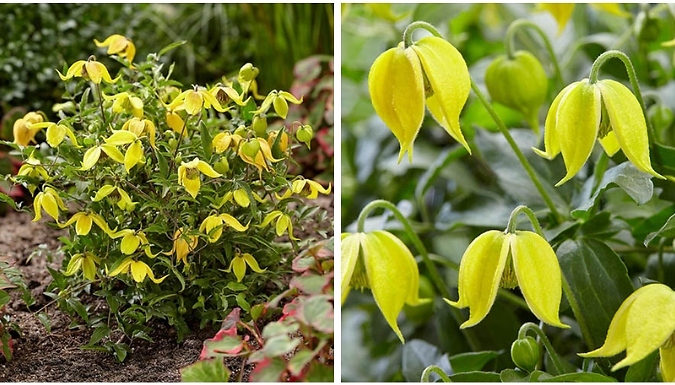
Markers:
point(118, 45)
point(134, 153)
point(126, 102)
point(256, 152)
point(240, 197)
point(138, 269)
point(24, 129)
point(56, 133)
point(225, 94)
point(238, 265)
point(92, 155)
point(141, 127)
point(381, 262)
point(33, 168)
point(89, 69)
point(225, 140)
point(189, 175)
point(86, 262)
point(644, 322)
point(83, 222)
point(522, 259)
point(212, 226)
point(50, 200)
point(402, 79)
point(175, 122)
point(279, 100)
point(183, 245)
point(583, 112)
point(116, 194)
point(194, 100)
point(283, 223)
point(305, 187)
point(132, 240)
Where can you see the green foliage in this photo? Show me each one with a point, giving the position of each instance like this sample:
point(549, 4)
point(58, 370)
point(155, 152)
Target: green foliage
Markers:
point(177, 209)
point(10, 279)
point(296, 347)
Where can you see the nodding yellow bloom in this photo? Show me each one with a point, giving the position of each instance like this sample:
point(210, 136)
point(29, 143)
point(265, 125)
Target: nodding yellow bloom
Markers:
point(33, 168)
point(402, 80)
point(226, 94)
point(56, 133)
point(92, 155)
point(141, 127)
point(118, 45)
point(126, 102)
point(522, 259)
point(381, 262)
point(563, 12)
point(132, 240)
point(189, 175)
point(644, 322)
point(134, 153)
point(246, 78)
point(183, 245)
point(305, 187)
point(194, 100)
point(50, 200)
point(283, 223)
point(279, 100)
point(607, 111)
point(224, 140)
point(87, 262)
point(240, 196)
point(120, 197)
point(138, 269)
point(176, 122)
point(83, 222)
point(24, 129)
point(256, 152)
point(212, 226)
point(89, 69)
point(238, 264)
point(283, 141)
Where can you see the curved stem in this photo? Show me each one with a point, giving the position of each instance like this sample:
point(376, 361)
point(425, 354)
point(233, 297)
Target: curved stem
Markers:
point(426, 374)
point(510, 51)
point(519, 154)
point(380, 203)
point(410, 29)
point(555, 359)
point(511, 227)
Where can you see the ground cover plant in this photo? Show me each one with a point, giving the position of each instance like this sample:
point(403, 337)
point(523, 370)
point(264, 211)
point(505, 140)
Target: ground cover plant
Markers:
point(493, 238)
point(178, 201)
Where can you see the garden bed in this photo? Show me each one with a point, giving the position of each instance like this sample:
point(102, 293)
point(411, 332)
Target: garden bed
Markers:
point(56, 356)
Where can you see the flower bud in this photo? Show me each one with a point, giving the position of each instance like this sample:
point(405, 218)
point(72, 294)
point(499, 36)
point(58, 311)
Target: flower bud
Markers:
point(222, 166)
point(662, 119)
point(519, 83)
point(305, 134)
point(248, 72)
point(259, 126)
point(241, 131)
point(525, 353)
point(250, 148)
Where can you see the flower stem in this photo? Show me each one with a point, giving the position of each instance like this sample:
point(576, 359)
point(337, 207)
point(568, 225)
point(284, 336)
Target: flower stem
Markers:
point(408, 33)
point(510, 50)
point(99, 93)
point(426, 374)
point(511, 227)
point(519, 154)
point(555, 359)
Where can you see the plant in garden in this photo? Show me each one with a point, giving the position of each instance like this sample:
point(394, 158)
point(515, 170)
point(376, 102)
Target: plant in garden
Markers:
point(147, 164)
point(10, 278)
point(587, 267)
point(296, 347)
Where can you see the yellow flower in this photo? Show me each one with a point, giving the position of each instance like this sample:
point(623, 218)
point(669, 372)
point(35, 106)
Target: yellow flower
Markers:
point(283, 223)
point(194, 100)
point(183, 245)
point(381, 262)
point(134, 153)
point(121, 198)
point(24, 129)
point(189, 175)
point(125, 102)
point(246, 78)
point(50, 200)
point(225, 94)
point(212, 226)
point(83, 222)
point(256, 152)
point(140, 127)
point(279, 100)
point(644, 322)
point(583, 112)
point(402, 79)
point(305, 187)
point(175, 122)
point(87, 262)
point(224, 140)
point(239, 263)
point(89, 69)
point(132, 240)
point(240, 196)
point(563, 12)
point(56, 133)
point(522, 259)
point(139, 270)
point(118, 45)
point(283, 140)
point(33, 168)
point(92, 155)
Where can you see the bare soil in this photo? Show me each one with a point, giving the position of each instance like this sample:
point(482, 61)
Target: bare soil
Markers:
point(43, 357)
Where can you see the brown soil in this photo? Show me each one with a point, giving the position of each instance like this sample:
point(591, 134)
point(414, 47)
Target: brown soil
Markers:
point(43, 357)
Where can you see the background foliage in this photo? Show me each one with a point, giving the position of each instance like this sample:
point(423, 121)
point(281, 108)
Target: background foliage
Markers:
point(451, 200)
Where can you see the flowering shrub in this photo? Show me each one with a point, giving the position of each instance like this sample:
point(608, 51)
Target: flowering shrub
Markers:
point(176, 201)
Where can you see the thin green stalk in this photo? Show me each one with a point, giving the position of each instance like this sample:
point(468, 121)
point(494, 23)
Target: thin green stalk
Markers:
point(510, 51)
point(519, 154)
point(511, 227)
point(576, 310)
point(426, 374)
point(555, 358)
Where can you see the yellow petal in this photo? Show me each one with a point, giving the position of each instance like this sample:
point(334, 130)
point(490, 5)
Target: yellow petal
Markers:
point(668, 363)
point(561, 13)
point(50, 205)
point(55, 134)
point(270, 217)
point(90, 158)
point(241, 197)
point(207, 170)
point(450, 83)
point(280, 106)
point(578, 121)
point(628, 123)
point(480, 273)
point(138, 270)
point(122, 268)
point(613, 8)
point(37, 206)
point(74, 265)
point(239, 267)
point(282, 224)
point(289, 96)
point(539, 275)
point(109, 40)
point(74, 70)
point(130, 244)
point(112, 152)
point(610, 143)
point(395, 83)
point(192, 184)
point(133, 155)
point(121, 137)
point(88, 268)
point(232, 222)
point(211, 226)
point(103, 192)
point(83, 225)
point(350, 247)
point(175, 122)
point(193, 102)
point(253, 264)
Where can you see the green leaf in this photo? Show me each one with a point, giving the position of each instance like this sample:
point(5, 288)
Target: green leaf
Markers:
point(206, 141)
point(79, 308)
point(644, 370)
point(243, 304)
point(472, 361)
point(319, 372)
point(7, 199)
point(247, 110)
point(226, 345)
point(635, 183)
point(475, 377)
point(299, 360)
point(417, 355)
point(280, 345)
point(171, 46)
point(579, 377)
point(667, 231)
point(598, 281)
point(98, 334)
point(121, 351)
point(44, 320)
point(4, 298)
point(317, 311)
point(278, 328)
point(268, 370)
point(212, 370)
point(236, 286)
